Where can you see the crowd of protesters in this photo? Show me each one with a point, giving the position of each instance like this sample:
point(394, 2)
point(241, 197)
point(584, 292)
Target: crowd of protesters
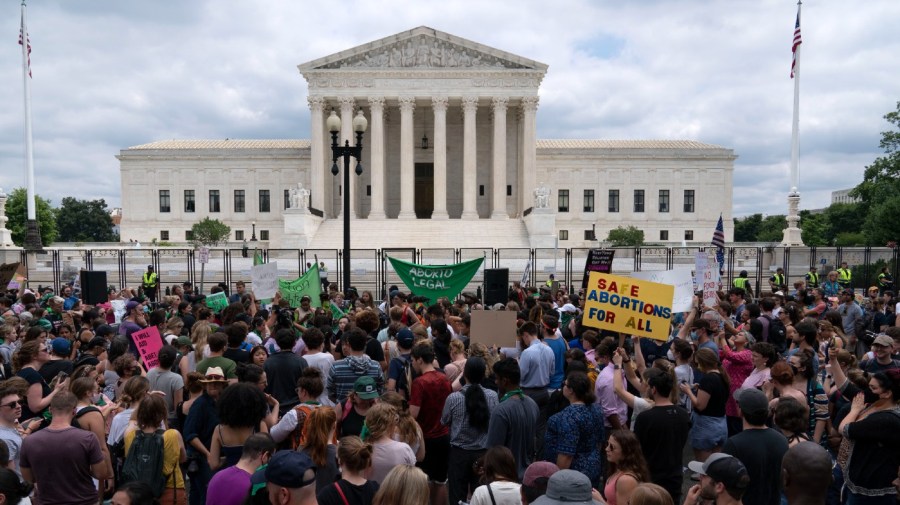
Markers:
point(787, 398)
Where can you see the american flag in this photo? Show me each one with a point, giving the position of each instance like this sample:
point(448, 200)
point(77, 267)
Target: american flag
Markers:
point(719, 242)
point(797, 41)
point(24, 39)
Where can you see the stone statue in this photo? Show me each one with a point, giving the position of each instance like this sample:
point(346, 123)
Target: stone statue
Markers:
point(541, 197)
point(299, 197)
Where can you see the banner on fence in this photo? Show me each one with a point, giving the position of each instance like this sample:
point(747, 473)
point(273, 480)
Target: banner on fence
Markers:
point(680, 278)
point(264, 280)
point(628, 305)
point(12, 275)
point(217, 301)
point(707, 279)
point(598, 260)
point(148, 343)
point(307, 285)
point(435, 281)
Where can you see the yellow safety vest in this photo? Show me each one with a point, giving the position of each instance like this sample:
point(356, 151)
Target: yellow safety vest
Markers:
point(778, 279)
point(812, 279)
point(741, 282)
point(150, 279)
point(844, 275)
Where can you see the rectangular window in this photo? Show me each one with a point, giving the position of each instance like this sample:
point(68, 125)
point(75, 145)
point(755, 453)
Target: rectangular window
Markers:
point(564, 234)
point(189, 235)
point(614, 200)
point(589, 200)
point(239, 234)
point(664, 234)
point(689, 200)
point(264, 204)
point(639, 200)
point(287, 199)
point(368, 190)
point(264, 234)
point(481, 190)
point(165, 201)
point(239, 200)
point(189, 200)
point(563, 200)
point(508, 190)
point(589, 235)
point(664, 200)
point(689, 234)
point(164, 235)
point(214, 200)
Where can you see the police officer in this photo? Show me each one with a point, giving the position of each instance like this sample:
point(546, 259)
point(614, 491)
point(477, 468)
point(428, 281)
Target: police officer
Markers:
point(845, 276)
point(744, 283)
point(777, 281)
point(885, 281)
point(150, 283)
point(812, 278)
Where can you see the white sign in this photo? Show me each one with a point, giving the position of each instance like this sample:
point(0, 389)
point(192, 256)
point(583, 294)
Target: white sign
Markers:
point(707, 279)
point(118, 307)
point(204, 255)
point(265, 280)
point(681, 278)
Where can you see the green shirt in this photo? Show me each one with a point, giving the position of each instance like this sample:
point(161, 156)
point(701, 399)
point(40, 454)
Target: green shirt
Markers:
point(228, 366)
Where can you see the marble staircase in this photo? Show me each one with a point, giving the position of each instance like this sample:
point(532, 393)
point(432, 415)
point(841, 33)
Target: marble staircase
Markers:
point(422, 233)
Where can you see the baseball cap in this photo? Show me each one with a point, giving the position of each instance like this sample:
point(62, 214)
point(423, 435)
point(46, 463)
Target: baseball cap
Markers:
point(214, 374)
point(184, 341)
point(848, 292)
point(45, 324)
point(883, 340)
point(104, 330)
point(131, 305)
point(365, 388)
point(568, 308)
point(61, 346)
point(405, 338)
point(537, 470)
point(723, 468)
point(287, 469)
point(567, 487)
point(751, 400)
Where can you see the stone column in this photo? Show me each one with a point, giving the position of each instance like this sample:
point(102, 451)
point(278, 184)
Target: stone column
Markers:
point(498, 179)
point(470, 189)
point(5, 235)
point(376, 109)
point(439, 104)
point(317, 153)
point(347, 105)
point(529, 150)
point(407, 167)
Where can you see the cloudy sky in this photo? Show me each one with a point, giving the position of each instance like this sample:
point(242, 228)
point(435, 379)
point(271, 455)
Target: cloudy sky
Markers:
point(109, 74)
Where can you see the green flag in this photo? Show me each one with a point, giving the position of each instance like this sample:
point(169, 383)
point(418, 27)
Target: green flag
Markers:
point(257, 258)
point(307, 285)
point(435, 281)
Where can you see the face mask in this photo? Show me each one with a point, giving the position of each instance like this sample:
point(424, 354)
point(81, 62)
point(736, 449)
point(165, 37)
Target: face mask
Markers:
point(146, 309)
point(95, 398)
point(870, 396)
point(694, 335)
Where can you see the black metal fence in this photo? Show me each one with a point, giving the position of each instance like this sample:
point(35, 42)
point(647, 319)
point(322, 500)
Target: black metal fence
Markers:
point(371, 270)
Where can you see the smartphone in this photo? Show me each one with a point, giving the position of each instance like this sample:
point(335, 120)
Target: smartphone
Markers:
point(62, 376)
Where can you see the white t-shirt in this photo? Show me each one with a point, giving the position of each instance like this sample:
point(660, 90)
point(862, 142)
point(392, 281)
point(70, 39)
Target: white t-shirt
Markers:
point(322, 361)
point(505, 493)
point(640, 405)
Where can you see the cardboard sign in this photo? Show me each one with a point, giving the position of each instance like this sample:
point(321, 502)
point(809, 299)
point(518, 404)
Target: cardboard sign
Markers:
point(148, 342)
point(493, 327)
point(264, 279)
point(680, 278)
point(12, 275)
point(217, 301)
point(628, 305)
point(598, 260)
point(707, 279)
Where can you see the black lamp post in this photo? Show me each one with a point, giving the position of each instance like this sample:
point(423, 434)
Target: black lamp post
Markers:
point(346, 151)
point(253, 234)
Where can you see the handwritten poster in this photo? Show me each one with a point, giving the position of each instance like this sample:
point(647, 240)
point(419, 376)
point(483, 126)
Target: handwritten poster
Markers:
point(148, 342)
point(680, 278)
point(264, 279)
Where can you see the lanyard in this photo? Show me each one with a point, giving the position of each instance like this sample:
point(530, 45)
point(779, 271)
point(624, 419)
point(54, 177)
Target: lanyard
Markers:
point(514, 392)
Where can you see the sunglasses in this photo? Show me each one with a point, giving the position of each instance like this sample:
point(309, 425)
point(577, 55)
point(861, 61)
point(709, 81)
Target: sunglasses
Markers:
point(13, 405)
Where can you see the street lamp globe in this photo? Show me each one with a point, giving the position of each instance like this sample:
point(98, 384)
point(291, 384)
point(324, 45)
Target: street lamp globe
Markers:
point(359, 122)
point(334, 122)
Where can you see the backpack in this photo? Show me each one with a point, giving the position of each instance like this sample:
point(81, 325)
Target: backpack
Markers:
point(862, 327)
point(777, 334)
point(144, 462)
point(406, 377)
point(297, 438)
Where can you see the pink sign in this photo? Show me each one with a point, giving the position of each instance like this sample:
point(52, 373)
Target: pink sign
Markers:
point(148, 342)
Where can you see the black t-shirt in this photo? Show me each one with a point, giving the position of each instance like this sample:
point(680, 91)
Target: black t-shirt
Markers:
point(374, 350)
point(663, 431)
point(714, 384)
point(52, 368)
point(356, 495)
point(352, 424)
point(237, 355)
point(761, 452)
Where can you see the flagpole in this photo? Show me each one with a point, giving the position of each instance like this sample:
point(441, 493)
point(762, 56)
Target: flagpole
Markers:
point(793, 234)
point(33, 231)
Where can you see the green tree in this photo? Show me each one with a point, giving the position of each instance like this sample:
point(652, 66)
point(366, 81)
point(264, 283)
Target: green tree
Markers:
point(814, 228)
point(850, 239)
point(626, 237)
point(879, 191)
point(17, 212)
point(84, 221)
point(746, 229)
point(209, 232)
point(843, 218)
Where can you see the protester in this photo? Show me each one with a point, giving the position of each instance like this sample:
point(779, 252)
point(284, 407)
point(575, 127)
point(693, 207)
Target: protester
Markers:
point(806, 474)
point(428, 394)
point(723, 481)
point(501, 486)
point(290, 479)
point(241, 411)
point(382, 421)
point(201, 421)
point(574, 435)
point(710, 429)
point(12, 488)
point(404, 484)
point(149, 416)
point(231, 485)
point(354, 487)
point(627, 467)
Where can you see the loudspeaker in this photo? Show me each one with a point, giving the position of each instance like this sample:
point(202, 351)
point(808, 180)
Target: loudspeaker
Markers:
point(93, 287)
point(496, 285)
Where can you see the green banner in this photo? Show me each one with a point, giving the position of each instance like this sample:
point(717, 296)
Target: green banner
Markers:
point(435, 281)
point(307, 285)
point(217, 301)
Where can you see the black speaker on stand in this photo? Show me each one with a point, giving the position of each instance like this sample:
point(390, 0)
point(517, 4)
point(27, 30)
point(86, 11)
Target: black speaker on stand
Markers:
point(496, 286)
point(93, 287)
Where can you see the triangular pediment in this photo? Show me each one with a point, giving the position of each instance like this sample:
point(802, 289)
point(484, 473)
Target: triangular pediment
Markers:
point(423, 48)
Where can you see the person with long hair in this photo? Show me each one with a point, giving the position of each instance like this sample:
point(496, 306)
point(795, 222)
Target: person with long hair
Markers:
point(467, 412)
point(253, 374)
point(479, 350)
point(381, 421)
point(791, 418)
point(27, 361)
point(134, 391)
point(12, 488)
point(242, 412)
point(200, 332)
point(626, 469)
point(320, 428)
point(404, 484)
point(710, 429)
point(805, 380)
point(501, 483)
point(408, 430)
point(737, 361)
point(134, 493)
point(647, 493)
point(353, 488)
point(573, 436)
point(454, 369)
point(152, 413)
point(782, 382)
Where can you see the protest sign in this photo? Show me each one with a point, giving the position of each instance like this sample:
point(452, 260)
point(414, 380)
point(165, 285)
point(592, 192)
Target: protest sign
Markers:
point(680, 278)
point(493, 327)
point(217, 301)
point(264, 280)
point(148, 343)
point(118, 307)
point(435, 281)
point(12, 275)
point(307, 285)
point(628, 305)
point(598, 260)
point(707, 279)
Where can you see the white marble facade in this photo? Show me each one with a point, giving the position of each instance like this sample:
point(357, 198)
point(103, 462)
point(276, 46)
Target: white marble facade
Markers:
point(477, 106)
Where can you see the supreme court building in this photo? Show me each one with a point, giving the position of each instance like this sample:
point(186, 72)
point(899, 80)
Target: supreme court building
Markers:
point(450, 159)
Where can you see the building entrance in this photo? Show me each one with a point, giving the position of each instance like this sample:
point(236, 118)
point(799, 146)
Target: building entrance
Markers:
point(424, 190)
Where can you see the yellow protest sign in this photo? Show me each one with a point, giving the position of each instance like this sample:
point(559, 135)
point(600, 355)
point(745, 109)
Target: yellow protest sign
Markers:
point(628, 305)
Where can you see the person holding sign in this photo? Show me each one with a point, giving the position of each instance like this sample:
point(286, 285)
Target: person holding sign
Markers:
point(710, 429)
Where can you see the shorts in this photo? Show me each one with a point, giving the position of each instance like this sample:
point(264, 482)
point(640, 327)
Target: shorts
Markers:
point(708, 432)
point(437, 454)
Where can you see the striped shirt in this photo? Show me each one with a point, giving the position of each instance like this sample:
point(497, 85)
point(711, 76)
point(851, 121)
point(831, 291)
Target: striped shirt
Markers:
point(462, 434)
point(344, 373)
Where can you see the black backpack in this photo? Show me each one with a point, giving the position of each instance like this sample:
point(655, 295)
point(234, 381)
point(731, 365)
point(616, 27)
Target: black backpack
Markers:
point(144, 461)
point(404, 382)
point(777, 334)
